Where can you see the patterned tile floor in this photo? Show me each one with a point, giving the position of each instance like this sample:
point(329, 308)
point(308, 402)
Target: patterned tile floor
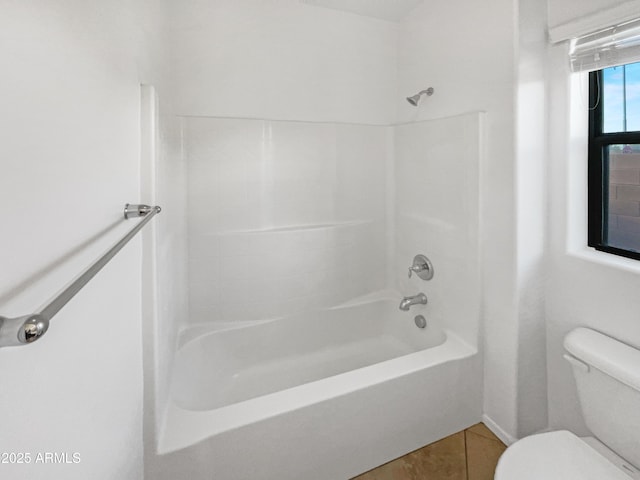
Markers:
point(468, 455)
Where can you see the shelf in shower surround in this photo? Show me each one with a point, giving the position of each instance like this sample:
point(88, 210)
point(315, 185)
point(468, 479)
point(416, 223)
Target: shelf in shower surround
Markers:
point(293, 228)
point(434, 222)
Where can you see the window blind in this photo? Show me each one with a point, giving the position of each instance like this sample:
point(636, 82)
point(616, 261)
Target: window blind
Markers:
point(606, 48)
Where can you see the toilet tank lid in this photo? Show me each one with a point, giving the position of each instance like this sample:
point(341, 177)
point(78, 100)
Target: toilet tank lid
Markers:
point(608, 355)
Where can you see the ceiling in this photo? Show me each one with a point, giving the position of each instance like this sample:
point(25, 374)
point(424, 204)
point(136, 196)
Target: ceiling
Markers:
point(392, 10)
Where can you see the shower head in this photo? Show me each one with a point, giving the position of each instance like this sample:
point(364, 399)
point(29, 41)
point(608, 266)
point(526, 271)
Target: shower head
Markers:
point(413, 100)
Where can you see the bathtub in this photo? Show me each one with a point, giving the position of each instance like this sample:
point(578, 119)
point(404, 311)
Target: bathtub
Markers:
point(327, 395)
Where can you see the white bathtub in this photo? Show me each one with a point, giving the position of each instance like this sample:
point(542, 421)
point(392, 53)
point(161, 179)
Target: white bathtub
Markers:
point(324, 396)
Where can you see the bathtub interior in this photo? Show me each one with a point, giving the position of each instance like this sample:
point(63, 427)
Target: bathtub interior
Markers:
point(241, 362)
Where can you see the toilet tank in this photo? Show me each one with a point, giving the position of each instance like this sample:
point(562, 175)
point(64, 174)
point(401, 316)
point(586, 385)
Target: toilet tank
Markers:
point(608, 381)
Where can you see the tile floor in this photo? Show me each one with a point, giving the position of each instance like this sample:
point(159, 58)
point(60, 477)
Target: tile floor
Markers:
point(468, 455)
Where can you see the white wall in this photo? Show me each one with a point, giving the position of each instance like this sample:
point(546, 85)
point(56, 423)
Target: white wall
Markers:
point(70, 160)
point(468, 58)
point(531, 237)
point(282, 59)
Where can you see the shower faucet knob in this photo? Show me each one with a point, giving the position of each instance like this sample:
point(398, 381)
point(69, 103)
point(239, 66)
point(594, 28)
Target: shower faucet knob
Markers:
point(416, 269)
point(422, 267)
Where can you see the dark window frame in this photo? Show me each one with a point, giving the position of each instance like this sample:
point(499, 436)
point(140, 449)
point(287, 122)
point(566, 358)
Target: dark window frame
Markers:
point(598, 169)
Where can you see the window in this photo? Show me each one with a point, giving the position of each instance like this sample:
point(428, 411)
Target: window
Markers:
point(614, 160)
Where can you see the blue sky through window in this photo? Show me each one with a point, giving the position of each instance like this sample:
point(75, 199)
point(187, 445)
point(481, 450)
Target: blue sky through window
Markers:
point(621, 82)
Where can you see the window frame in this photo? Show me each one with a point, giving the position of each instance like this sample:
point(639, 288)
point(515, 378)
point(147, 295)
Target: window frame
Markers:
point(598, 169)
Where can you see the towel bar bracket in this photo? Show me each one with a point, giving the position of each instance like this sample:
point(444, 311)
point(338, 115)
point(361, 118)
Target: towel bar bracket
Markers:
point(131, 211)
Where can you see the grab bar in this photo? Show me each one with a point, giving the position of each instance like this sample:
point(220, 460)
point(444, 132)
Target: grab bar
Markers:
point(29, 328)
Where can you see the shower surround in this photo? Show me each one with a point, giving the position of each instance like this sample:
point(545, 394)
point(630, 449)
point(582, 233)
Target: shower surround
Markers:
point(300, 235)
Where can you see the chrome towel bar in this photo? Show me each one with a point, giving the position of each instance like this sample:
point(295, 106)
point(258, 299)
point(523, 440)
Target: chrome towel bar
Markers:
point(29, 328)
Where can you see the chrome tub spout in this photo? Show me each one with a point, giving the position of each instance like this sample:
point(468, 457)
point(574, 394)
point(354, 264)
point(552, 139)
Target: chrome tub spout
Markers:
point(419, 299)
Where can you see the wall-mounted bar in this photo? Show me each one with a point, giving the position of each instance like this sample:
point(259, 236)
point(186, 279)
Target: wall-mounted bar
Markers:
point(29, 328)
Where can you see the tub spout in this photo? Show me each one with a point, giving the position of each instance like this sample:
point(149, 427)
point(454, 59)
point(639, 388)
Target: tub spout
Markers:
point(419, 299)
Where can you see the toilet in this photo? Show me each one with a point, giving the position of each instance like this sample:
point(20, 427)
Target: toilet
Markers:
point(607, 374)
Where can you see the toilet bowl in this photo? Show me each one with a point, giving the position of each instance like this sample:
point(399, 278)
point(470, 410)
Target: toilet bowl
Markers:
point(562, 455)
point(607, 374)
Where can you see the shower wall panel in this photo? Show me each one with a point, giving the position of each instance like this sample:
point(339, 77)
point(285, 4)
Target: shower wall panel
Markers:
point(437, 214)
point(283, 217)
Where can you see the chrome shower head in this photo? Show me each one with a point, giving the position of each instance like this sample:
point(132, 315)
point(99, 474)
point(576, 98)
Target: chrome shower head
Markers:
point(414, 99)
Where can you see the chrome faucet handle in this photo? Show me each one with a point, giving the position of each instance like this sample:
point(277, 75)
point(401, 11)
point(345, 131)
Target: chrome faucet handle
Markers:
point(415, 268)
point(422, 267)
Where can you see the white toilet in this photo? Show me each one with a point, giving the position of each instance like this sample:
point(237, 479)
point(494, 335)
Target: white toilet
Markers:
point(607, 374)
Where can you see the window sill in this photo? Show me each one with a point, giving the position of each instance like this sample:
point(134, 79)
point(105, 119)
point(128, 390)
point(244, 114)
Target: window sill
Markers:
point(607, 259)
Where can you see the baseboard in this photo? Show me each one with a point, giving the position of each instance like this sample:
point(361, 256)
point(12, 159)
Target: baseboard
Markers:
point(498, 431)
